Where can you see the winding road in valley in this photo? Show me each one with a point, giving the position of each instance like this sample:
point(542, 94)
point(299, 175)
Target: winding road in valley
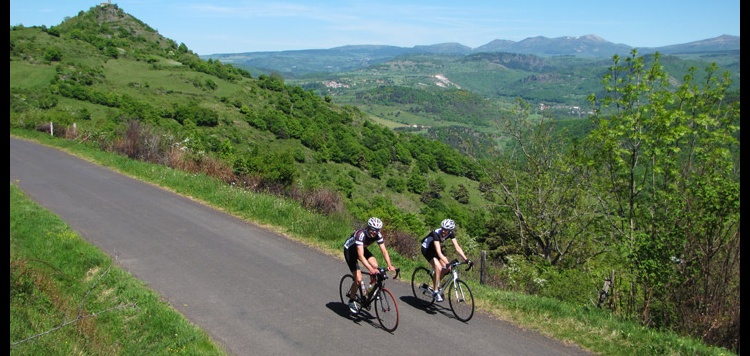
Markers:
point(254, 291)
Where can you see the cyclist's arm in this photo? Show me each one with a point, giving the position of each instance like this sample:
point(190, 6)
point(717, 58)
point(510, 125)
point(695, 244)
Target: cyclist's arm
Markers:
point(459, 250)
point(439, 251)
point(365, 262)
point(387, 257)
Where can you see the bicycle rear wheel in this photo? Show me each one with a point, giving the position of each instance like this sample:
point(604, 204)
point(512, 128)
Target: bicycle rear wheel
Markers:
point(344, 285)
point(386, 310)
point(461, 300)
point(421, 286)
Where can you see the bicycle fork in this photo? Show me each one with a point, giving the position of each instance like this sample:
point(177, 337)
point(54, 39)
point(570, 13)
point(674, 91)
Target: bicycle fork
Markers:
point(457, 290)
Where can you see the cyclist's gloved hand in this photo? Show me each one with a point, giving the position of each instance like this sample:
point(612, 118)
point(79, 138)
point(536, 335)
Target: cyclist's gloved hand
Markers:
point(470, 264)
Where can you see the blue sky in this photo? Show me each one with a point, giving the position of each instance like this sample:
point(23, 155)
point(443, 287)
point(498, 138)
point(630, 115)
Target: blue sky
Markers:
point(209, 27)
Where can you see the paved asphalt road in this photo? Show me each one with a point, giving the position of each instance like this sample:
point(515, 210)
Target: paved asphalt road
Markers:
point(254, 291)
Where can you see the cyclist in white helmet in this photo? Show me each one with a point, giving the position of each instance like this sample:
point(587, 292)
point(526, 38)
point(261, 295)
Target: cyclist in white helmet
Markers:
point(432, 250)
point(355, 251)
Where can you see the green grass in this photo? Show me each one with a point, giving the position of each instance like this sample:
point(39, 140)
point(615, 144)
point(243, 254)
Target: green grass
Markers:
point(67, 297)
point(31, 76)
point(56, 275)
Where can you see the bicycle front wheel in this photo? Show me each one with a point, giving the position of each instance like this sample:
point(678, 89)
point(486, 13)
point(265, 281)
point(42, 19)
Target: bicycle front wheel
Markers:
point(344, 286)
point(461, 300)
point(386, 310)
point(421, 286)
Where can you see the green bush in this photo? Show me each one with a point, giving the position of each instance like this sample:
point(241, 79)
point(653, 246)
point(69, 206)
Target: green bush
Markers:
point(572, 286)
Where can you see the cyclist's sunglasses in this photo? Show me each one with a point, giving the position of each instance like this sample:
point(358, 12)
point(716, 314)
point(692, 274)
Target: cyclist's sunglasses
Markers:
point(373, 229)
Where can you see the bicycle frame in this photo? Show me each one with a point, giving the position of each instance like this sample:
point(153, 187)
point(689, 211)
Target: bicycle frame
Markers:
point(451, 277)
point(447, 278)
point(366, 299)
point(370, 297)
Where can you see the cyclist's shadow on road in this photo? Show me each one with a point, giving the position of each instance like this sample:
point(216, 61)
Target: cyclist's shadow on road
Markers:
point(343, 310)
point(434, 308)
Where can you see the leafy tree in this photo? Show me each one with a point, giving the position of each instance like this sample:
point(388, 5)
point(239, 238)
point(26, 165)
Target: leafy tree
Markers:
point(540, 184)
point(299, 154)
point(434, 190)
point(313, 138)
point(272, 82)
point(376, 170)
point(53, 31)
point(460, 194)
point(416, 182)
point(345, 185)
point(501, 233)
point(274, 168)
point(199, 115)
point(351, 151)
point(52, 55)
point(669, 190)
point(83, 114)
point(112, 52)
point(397, 184)
point(402, 154)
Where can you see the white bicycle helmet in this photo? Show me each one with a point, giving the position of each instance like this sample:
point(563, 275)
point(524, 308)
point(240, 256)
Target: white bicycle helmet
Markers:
point(448, 224)
point(375, 223)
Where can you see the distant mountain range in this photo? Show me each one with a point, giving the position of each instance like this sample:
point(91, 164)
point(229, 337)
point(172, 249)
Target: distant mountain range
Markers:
point(351, 57)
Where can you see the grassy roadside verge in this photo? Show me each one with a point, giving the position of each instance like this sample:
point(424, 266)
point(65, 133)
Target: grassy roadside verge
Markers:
point(593, 329)
point(67, 297)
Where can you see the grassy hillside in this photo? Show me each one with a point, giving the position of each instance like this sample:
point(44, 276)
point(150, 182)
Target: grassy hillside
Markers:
point(122, 78)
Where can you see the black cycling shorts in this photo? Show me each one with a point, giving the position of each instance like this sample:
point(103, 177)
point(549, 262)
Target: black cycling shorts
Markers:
point(350, 255)
point(429, 253)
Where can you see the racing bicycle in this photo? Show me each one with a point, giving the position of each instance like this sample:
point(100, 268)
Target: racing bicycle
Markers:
point(378, 297)
point(458, 293)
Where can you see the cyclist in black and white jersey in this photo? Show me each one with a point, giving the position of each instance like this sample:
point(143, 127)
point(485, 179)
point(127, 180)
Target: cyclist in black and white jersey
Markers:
point(355, 252)
point(432, 251)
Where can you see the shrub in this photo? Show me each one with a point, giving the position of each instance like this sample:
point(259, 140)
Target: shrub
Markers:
point(322, 200)
point(572, 286)
point(405, 244)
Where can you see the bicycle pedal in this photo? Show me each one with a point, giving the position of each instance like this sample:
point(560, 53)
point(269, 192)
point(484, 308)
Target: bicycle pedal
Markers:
point(427, 289)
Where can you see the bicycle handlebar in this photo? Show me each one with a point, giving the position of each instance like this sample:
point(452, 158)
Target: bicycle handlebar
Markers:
point(382, 273)
point(456, 263)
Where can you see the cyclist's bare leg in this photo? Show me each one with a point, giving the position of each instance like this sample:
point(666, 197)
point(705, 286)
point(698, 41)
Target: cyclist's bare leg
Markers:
point(356, 284)
point(374, 263)
point(438, 268)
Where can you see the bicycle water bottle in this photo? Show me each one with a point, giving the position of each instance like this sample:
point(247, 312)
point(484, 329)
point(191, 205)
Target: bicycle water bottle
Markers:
point(363, 288)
